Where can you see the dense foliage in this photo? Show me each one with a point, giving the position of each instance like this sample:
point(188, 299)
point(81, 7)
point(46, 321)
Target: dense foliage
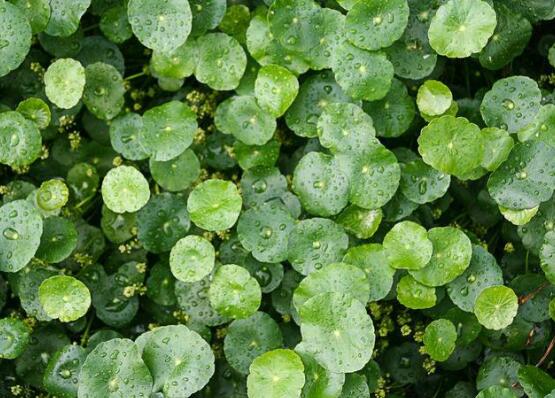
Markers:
point(277, 198)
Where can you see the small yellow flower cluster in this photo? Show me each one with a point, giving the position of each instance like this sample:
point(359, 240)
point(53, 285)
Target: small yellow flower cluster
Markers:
point(38, 69)
point(134, 289)
point(83, 258)
point(74, 140)
point(181, 316)
point(221, 333)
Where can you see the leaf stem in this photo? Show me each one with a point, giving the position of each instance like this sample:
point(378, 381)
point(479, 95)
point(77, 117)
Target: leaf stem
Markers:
point(136, 75)
point(547, 352)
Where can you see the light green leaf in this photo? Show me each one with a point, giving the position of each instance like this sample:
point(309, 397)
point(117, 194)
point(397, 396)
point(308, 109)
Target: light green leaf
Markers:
point(192, 258)
point(462, 27)
point(64, 82)
point(161, 26)
point(125, 189)
point(234, 292)
point(496, 307)
point(64, 297)
point(276, 374)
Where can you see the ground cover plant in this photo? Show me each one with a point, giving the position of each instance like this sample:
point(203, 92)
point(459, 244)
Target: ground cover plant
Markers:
point(277, 199)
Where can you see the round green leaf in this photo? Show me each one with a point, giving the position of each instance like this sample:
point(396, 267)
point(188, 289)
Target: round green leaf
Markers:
point(161, 26)
point(496, 307)
point(168, 130)
point(371, 258)
point(65, 16)
point(266, 50)
point(162, 222)
point(362, 74)
point(221, 61)
point(247, 339)
point(482, 272)
point(242, 117)
point(421, 183)
point(207, 15)
point(96, 49)
point(15, 37)
point(407, 246)
point(393, 114)
point(160, 285)
point(14, 337)
point(192, 258)
point(180, 361)
point(434, 98)
point(415, 295)
point(374, 174)
point(497, 147)
point(542, 128)
point(330, 24)
point(28, 284)
point(315, 93)
point(440, 337)
point(21, 227)
point(64, 298)
point(125, 189)
point(193, 299)
point(319, 382)
point(43, 344)
point(178, 173)
point(109, 366)
point(52, 195)
point(451, 145)
point(214, 205)
point(268, 275)
point(36, 11)
point(275, 374)
point(275, 89)
point(114, 24)
point(518, 217)
point(338, 332)
point(292, 23)
point(344, 127)
point(264, 230)
point(462, 27)
point(20, 140)
point(104, 90)
point(526, 178)
point(234, 292)
point(177, 64)
point(498, 370)
point(320, 184)
point(535, 382)
point(62, 371)
point(125, 133)
point(339, 278)
point(58, 240)
point(261, 184)
point(315, 243)
point(450, 258)
point(360, 222)
point(64, 82)
point(511, 104)
point(249, 156)
point(512, 33)
point(375, 24)
point(537, 292)
point(411, 56)
point(36, 110)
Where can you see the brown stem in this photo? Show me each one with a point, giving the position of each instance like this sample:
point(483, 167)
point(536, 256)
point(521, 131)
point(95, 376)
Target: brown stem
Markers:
point(548, 350)
point(532, 294)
